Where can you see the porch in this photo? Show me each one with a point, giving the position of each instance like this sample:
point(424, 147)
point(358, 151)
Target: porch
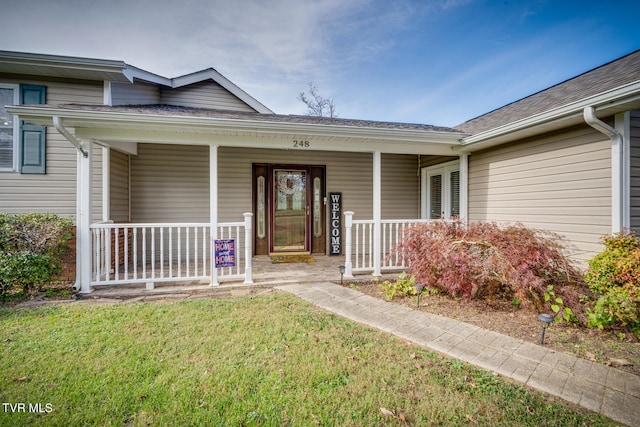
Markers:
point(131, 255)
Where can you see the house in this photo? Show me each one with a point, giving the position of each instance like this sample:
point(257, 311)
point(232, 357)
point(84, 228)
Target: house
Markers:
point(190, 178)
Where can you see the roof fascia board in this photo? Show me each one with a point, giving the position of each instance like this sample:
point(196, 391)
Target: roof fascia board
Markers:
point(101, 119)
point(602, 102)
point(63, 62)
point(134, 72)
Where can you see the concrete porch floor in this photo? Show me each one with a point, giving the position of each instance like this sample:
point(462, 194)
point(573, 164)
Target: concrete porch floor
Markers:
point(265, 275)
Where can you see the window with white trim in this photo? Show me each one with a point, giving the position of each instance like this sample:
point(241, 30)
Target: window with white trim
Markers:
point(441, 191)
point(9, 129)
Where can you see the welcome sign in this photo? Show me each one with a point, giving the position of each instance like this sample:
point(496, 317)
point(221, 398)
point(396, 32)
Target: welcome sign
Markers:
point(335, 223)
point(225, 253)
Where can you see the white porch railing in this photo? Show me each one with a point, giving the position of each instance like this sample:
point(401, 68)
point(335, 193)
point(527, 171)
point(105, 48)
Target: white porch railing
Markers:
point(150, 253)
point(359, 244)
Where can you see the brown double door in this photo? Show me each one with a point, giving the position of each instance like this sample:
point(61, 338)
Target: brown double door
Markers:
point(289, 208)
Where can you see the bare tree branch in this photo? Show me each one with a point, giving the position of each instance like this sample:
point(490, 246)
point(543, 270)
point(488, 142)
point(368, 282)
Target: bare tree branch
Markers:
point(317, 105)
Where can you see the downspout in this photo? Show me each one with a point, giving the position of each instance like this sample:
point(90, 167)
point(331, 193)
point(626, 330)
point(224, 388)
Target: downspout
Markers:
point(57, 122)
point(617, 161)
point(83, 210)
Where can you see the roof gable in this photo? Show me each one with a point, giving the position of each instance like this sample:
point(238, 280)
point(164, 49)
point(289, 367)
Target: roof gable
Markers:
point(113, 71)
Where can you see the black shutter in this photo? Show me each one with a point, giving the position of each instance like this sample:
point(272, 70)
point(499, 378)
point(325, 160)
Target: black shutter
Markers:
point(33, 139)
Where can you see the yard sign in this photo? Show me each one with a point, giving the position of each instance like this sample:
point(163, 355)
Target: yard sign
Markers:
point(225, 253)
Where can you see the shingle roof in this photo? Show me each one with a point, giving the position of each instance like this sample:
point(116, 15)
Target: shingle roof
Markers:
point(614, 74)
point(172, 110)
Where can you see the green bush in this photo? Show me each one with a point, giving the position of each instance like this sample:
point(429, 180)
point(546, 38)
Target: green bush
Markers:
point(614, 276)
point(30, 249)
point(403, 286)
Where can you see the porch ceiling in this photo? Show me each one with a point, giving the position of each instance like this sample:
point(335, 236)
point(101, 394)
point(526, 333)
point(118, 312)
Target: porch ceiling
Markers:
point(203, 127)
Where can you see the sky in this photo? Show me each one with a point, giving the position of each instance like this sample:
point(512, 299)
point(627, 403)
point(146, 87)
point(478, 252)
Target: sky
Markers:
point(431, 62)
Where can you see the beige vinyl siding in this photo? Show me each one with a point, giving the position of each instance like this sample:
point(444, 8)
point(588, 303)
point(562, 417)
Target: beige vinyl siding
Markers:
point(134, 94)
point(400, 186)
point(170, 183)
point(635, 171)
point(119, 191)
point(560, 182)
point(55, 191)
point(207, 94)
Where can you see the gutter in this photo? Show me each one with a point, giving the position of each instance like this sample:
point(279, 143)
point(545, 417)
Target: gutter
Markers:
point(57, 122)
point(590, 118)
point(619, 204)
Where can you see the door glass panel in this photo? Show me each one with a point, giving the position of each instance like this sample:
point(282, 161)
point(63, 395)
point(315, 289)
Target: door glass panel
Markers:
point(317, 214)
point(455, 193)
point(289, 212)
point(435, 196)
point(261, 208)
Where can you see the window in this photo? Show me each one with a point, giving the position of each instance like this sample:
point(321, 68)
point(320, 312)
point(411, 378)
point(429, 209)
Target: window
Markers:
point(22, 145)
point(441, 191)
point(9, 129)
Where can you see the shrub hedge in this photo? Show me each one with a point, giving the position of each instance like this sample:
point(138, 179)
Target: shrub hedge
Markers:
point(30, 249)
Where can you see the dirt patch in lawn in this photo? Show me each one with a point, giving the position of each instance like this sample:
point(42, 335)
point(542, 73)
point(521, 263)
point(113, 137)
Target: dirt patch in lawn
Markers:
point(617, 348)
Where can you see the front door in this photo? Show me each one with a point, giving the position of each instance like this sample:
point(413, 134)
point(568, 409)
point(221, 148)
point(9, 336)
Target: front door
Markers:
point(289, 213)
point(289, 227)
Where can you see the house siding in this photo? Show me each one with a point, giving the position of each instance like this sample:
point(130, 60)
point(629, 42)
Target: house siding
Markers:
point(559, 182)
point(170, 183)
point(159, 174)
point(134, 94)
point(635, 171)
point(400, 186)
point(119, 191)
point(54, 192)
point(207, 94)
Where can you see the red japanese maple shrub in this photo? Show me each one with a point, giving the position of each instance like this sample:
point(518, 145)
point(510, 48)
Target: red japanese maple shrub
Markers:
point(484, 260)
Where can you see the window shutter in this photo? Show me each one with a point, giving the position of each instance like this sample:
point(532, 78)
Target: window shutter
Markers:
point(33, 139)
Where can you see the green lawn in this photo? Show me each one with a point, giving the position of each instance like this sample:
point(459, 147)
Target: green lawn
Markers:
point(269, 361)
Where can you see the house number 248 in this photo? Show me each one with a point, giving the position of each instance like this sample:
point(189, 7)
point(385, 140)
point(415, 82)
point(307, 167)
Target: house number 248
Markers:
point(301, 144)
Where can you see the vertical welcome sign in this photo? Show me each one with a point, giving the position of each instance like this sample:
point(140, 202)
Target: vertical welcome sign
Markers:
point(335, 223)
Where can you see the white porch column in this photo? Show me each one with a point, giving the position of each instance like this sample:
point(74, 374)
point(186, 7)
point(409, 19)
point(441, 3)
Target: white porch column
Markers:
point(377, 212)
point(213, 208)
point(83, 220)
point(106, 180)
point(464, 187)
point(348, 225)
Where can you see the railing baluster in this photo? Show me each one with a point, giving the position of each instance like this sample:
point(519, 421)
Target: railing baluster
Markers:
point(195, 251)
point(187, 245)
point(179, 251)
point(135, 252)
point(126, 252)
point(162, 252)
point(144, 252)
point(170, 251)
point(116, 276)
